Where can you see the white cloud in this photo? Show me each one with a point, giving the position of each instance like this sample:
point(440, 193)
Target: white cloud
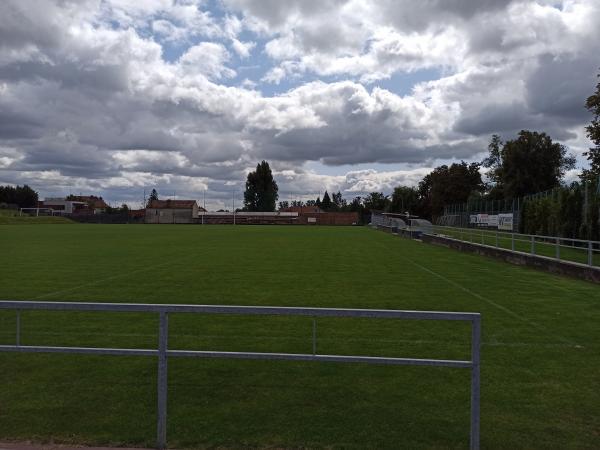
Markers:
point(207, 58)
point(243, 49)
point(115, 95)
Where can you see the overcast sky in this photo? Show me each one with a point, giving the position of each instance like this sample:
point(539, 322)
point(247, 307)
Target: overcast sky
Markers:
point(111, 97)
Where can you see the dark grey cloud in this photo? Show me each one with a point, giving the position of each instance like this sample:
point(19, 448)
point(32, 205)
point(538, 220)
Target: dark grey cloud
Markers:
point(560, 84)
point(88, 101)
point(409, 15)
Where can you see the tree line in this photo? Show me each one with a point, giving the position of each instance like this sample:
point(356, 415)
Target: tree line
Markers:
point(528, 163)
point(19, 196)
point(531, 162)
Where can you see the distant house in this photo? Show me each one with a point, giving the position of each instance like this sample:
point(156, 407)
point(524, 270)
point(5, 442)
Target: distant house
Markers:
point(87, 204)
point(62, 205)
point(95, 205)
point(172, 211)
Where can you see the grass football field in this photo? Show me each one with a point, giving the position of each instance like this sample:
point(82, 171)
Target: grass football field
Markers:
point(540, 354)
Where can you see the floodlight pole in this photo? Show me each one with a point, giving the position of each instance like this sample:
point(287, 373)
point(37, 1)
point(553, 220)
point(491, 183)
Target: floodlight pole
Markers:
point(203, 205)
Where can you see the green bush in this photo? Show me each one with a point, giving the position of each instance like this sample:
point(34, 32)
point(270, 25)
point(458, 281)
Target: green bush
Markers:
point(562, 212)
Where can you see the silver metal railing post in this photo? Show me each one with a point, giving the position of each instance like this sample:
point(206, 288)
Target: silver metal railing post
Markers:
point(533, 245)
point(314, 336)
point(557, 248)
point(512, 244)
point(475, 381)
point(161, 428)
point(590, 254)
point(163, 352)
point(18, 337)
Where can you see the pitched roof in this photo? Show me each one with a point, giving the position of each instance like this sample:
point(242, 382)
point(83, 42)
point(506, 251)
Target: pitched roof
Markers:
point(95, 202)
point(172, 204)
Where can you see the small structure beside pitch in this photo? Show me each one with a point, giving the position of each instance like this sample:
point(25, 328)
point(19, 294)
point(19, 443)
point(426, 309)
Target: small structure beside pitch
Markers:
point(172, 211)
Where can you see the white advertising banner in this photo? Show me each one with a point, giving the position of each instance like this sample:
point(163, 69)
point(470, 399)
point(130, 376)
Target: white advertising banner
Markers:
point(493, 221)
point(473, 219)
point(505, 222)
point(483, 219)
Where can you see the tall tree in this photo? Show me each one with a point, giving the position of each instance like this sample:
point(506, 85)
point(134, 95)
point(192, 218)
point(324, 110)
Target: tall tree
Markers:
point(494, 162)
point(404, 199)
point(326, 202)
point(23, 196)
point(338, 201)
point(447, 185)
point(376, 201)
point(530, 163)
point(593, 132)
point(153, 196)
point(261, 192)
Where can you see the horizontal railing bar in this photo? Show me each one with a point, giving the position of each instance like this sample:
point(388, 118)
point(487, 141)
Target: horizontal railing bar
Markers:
point(326, 358)
point(78, 350)
point(238, 355)
point(517, 235)
point(523, 252)
point(241, 310)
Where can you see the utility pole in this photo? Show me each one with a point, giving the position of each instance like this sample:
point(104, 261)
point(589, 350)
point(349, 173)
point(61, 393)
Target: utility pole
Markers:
point(204, 206)
point(585, 211)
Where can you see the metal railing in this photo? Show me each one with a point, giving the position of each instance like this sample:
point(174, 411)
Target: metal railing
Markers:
point(163, 352)
point(554, 247)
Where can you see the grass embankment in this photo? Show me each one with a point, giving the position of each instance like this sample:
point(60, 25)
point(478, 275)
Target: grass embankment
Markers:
point(11, 217)
point(540, 354)
point(568, 251)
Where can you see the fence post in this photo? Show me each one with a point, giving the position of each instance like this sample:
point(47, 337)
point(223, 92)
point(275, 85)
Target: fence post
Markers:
point(161, 428)
point(557, 248)
point(482, 241)
point(18, 337)
point(590, 253)
point(533, 245)
point(314, 336)
point(496, 238)
point(513, 242)
point(475, 381)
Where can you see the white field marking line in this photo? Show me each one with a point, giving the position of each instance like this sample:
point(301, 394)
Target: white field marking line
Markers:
point(496, 305)
point(490, 302)
point(101, 280)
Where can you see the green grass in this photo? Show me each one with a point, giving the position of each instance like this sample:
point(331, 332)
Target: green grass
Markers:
point(12, 217)
point(568, 250)
point(540, 354)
